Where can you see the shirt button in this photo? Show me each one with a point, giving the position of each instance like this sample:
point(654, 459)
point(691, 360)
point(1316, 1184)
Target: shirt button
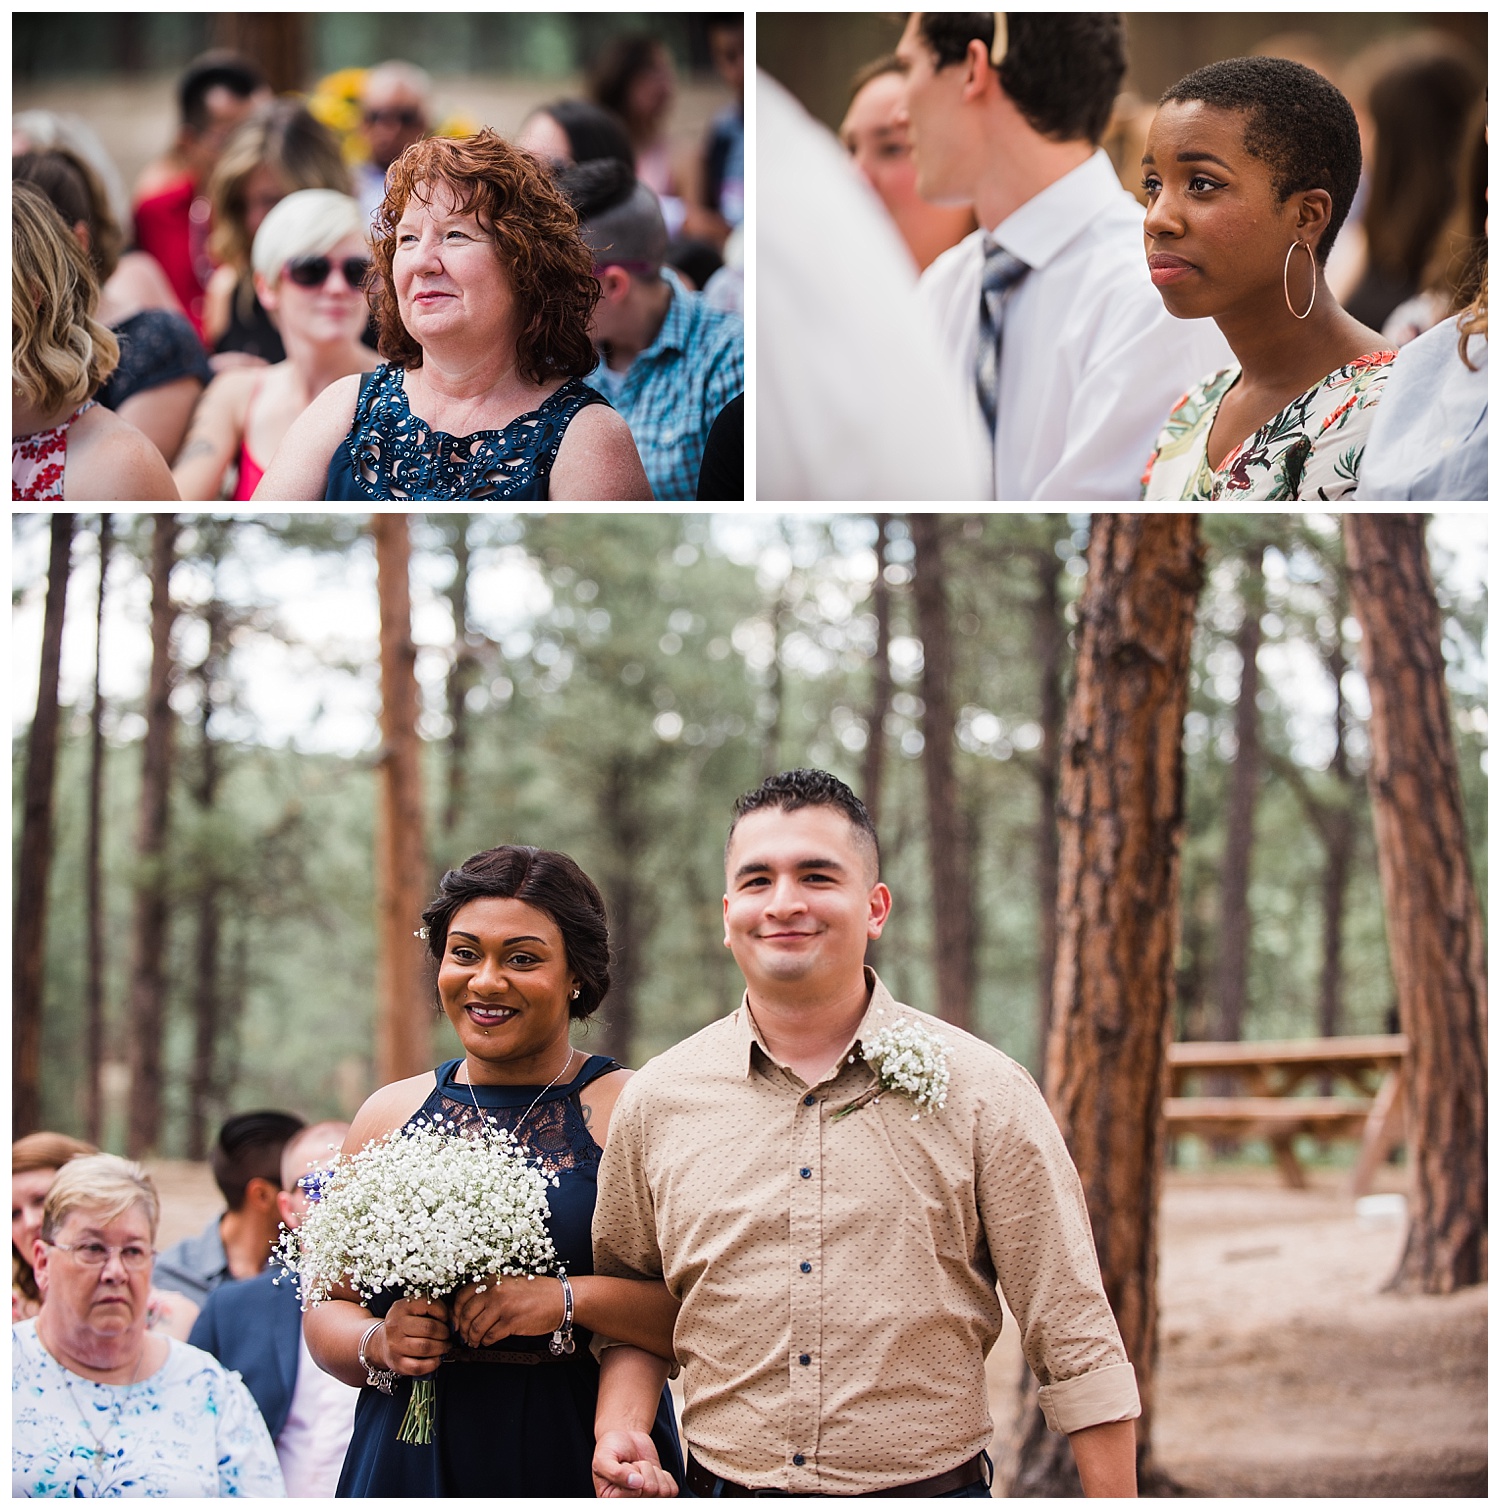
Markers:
point(798, 1459)
point(808, 1100)
point(806, 1173)
point(804, 1359)
point(805, 1267)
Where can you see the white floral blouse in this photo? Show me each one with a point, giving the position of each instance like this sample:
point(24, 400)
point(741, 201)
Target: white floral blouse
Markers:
point(191, 1430)
point(1312, 449)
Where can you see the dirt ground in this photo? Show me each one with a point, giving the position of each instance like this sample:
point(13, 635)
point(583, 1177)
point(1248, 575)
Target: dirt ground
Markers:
point(1284, 1370)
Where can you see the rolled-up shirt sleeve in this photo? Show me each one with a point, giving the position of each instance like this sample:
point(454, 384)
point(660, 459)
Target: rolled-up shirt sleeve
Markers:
point(1037, 1228)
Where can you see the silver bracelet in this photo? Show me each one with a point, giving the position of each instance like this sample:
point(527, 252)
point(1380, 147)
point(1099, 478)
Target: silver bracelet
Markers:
point(383, 1379)
point(562, 1338)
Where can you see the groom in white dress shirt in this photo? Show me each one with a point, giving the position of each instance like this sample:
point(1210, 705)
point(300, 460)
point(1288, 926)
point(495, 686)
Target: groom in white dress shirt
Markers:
point(1072, 358)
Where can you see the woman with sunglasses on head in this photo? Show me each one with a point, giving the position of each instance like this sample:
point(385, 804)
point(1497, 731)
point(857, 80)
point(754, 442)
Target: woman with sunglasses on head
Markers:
point(310, 261)
point(1249, 171)
point(484, 296)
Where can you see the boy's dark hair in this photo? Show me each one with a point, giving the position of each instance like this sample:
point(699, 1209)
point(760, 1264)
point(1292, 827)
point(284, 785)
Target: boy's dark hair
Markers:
point(592, 131)
point(1296, 123)
point(1062, 68)
point(235, 73)
point(596, 186)
point(551, 882)
point(248, 1148)
point(790, 790)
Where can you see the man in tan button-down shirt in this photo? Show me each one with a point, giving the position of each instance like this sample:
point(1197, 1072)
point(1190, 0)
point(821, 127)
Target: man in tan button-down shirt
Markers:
point(836, 1251)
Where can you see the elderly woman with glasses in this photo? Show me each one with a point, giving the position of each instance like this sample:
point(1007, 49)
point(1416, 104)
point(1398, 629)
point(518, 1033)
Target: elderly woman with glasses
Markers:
point(311, 262)
point(100, 1406)
point(483, 297)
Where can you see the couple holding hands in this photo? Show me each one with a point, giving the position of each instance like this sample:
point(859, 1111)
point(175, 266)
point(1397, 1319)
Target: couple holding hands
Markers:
point(812, 1207)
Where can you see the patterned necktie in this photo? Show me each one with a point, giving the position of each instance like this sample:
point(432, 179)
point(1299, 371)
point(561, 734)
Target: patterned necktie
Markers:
point(1002, 272)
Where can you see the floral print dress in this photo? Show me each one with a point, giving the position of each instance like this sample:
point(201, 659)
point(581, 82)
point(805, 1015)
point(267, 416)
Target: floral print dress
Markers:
point(1312, 449)
point(37, 462)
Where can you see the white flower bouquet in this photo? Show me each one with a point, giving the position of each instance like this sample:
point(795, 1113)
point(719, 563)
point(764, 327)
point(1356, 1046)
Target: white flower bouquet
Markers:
point(909, 1059)
point(423, 1210)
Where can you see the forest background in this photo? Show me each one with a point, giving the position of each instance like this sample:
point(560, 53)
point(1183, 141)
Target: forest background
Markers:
point(606, 685)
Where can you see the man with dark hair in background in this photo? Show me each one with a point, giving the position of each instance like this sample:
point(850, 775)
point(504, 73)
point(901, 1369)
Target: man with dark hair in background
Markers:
point(1048, 308)
point(667, 361)
point(246, 1162)
point(217, 92)
point(718, 205)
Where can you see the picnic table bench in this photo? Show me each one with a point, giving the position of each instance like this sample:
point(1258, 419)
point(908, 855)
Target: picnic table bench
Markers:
point(1268, 1078)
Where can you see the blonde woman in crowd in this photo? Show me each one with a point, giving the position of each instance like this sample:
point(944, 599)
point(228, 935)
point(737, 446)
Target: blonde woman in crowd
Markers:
point(64, 445)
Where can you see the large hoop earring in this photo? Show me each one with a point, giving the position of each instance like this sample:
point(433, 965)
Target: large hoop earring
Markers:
point(1286, 267)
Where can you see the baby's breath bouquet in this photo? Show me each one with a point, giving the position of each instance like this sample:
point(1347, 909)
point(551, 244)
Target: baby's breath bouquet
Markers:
point(909, 1059)
point(423, 1210)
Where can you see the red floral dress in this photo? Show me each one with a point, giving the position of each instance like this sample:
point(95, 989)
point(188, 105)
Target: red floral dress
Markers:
point(37, 461)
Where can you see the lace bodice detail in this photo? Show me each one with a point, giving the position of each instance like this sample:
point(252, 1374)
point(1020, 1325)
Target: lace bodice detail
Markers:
point(391, 453)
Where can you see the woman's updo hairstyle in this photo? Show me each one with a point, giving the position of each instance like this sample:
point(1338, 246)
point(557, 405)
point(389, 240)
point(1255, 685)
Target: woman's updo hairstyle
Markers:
point(542, 878)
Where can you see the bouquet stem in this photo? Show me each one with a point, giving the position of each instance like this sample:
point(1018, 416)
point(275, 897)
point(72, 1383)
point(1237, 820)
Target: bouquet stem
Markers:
point(416, 1424)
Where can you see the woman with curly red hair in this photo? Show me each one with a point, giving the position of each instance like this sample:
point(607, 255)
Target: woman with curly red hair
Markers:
point(483, 293)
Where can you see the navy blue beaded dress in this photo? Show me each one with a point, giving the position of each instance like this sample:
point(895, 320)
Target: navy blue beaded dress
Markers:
point(389, 453)
point(506, 1428)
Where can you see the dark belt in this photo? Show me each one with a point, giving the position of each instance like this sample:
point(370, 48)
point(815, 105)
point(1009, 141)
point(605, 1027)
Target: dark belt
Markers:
point(705, 1484)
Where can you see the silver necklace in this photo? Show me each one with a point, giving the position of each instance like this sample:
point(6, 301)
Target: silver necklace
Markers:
point(115, 1416)
point(567, 1065)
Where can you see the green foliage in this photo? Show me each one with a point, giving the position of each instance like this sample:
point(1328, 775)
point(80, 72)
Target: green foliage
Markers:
point(633, 674)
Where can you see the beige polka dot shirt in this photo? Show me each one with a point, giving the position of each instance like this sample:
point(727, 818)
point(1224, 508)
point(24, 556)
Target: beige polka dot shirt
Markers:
point(838, 1275)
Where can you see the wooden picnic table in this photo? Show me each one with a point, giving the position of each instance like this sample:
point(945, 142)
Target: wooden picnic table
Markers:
point(1268, 1078)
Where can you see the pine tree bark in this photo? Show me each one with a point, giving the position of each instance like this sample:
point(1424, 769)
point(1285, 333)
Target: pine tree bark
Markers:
point(631, 913)
point(403, 1039)
point(880, 682)
point(148, 987)
point(952, 887)
point(1120, 822)
point(1433, 923)
point(1239, 826)
point(30, 920)
point(93, 1081)
point(460, 676)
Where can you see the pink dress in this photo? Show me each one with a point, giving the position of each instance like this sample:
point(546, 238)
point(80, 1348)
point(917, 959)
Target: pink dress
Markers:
point(37, 461)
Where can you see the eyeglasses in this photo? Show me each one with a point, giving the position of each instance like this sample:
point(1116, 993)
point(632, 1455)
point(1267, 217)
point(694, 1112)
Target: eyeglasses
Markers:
point(96, 1255)
point(396, 117)
point(312, 272)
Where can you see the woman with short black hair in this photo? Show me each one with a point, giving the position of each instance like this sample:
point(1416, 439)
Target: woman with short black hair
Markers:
point(1249, 171)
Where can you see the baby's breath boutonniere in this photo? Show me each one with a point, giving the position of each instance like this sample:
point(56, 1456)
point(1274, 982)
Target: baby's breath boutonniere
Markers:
point(909, 1059)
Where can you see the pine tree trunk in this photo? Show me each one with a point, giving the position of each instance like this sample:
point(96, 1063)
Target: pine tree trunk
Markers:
point(1433, 923)
point(148, 987)
point(30, 941)
point(1239, 826)
point(880, 682)
point(1048, 645)
point(403, 1037)
point(1120, 818)
point(631, 913)
point(460, 677)
point(93, 1080)
point(947, 836)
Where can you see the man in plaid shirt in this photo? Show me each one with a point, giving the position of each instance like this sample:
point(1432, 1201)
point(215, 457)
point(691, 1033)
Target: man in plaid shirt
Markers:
point(667, 361)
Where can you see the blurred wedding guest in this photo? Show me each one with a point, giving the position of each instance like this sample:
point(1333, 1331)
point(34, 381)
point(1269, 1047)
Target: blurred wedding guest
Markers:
point(246, 1164)
point(280, 149)
point(310, 264)
point(848, 407)
point(65, 446)
point(44, 130)
point(255, 1328)
point(1430, 436)
point(395, 106)
point(716, 202)
point(103, 1407)
point(573, 131)
point(725, 288)
point(667, 361)
point(162, 370)
point(721, 478)
point(634, 80)
point(1420, 101)
point(876, 138)
point(216, 93)
point(1249, 170)
point(484, 288)
point(1047, 312)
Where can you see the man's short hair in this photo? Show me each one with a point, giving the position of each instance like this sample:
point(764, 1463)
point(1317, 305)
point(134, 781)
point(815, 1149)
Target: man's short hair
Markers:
point(790, 790)
point(619, 216)
point(1062, 68)
point(239, 75)
point(249, 1148)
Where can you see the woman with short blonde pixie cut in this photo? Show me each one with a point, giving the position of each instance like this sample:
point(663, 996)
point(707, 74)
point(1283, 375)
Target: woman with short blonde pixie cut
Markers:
point(65, 447)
